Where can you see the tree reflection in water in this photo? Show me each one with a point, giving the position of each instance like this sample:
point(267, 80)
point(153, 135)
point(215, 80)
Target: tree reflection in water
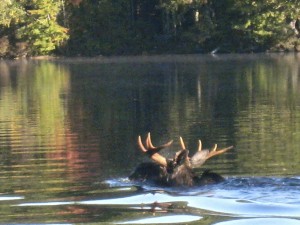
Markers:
point(66, 125)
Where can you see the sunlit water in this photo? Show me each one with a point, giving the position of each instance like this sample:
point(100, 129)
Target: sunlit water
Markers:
point(68, 131)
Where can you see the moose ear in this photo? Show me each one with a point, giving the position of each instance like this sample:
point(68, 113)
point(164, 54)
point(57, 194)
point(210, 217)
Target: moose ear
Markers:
point(181, 157)
point(199, 158)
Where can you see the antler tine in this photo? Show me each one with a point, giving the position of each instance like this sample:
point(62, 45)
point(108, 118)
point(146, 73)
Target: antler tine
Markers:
point(214, 152)
point(140, 143)
point(182, 143)
point(164, 146)
point(214, 148)
point(200, 146)
point(200, 157)
point(149, 142)
point(150, 146)
point(152, 151)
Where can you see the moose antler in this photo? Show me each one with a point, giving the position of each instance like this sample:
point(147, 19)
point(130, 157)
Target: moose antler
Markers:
point(152, 151)
point(201, 156)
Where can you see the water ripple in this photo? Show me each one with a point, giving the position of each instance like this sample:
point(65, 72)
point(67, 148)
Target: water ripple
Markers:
point(10, 198)
point(164, 219)
point(261, 221)
point(233, 207)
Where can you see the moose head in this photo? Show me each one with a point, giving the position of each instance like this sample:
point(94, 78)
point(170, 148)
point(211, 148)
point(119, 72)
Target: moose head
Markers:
point(177, 171)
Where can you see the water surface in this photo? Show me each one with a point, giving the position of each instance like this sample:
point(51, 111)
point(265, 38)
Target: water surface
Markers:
point(68, 131)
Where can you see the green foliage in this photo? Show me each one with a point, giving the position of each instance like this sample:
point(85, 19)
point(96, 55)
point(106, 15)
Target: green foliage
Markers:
point(101, 27)
point(40, 27)
point(265, 22)
point(10, 11)
point(104, 27)
point(34, 22)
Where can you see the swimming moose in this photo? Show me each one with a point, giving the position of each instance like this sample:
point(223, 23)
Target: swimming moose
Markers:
point(177, 171)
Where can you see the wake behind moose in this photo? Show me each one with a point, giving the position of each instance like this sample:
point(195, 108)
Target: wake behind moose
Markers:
point(176, 171)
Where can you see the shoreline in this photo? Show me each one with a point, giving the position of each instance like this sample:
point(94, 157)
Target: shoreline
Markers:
point(155, 58)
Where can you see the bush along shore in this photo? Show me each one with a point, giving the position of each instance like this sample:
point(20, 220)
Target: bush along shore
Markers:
point(122, 27)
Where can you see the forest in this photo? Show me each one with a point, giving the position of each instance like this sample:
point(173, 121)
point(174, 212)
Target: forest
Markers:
point(133, 27)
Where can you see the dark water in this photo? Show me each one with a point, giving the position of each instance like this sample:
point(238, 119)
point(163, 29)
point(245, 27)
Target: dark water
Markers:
point(68, 131)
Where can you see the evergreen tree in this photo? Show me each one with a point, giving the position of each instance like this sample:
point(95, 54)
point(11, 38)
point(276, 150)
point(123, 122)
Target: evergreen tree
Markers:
point(34, 23)
point(40, 27)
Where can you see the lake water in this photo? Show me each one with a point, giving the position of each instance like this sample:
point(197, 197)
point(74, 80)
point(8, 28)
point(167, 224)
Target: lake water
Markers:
point(69, 127)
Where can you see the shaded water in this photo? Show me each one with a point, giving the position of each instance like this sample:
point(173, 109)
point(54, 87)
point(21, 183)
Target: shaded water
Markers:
point(68, 132)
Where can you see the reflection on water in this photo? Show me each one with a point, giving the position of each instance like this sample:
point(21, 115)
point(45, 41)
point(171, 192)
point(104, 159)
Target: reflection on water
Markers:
point(261, 221)
point(68, 125)
point(237, 197)
point(165, 220)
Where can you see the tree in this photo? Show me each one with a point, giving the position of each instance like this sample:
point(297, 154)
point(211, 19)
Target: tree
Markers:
point(101, 28)
point(40, 27)
point(10, 11)
point(105, 27)
point(265, 23)
point(34, 23)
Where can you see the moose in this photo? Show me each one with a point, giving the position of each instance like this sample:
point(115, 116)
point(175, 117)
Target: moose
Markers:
point(177, 171)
